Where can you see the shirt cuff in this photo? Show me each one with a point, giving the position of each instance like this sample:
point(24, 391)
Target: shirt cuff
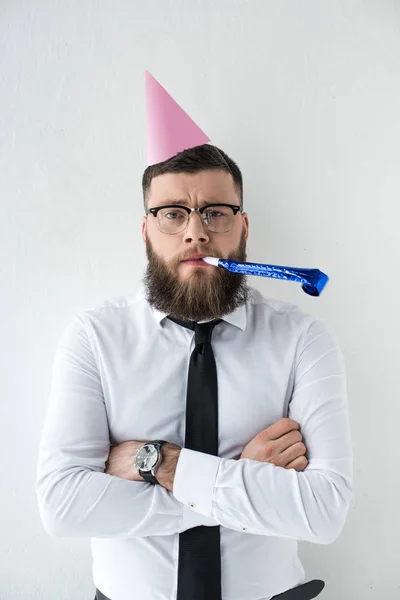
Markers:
point(194, 480)
point(191, 519)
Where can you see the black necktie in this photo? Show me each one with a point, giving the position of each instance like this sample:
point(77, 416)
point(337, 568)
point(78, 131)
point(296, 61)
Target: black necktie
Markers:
point(199, 565)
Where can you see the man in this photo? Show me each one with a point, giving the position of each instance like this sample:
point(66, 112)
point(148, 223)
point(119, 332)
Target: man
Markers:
point(120, 381)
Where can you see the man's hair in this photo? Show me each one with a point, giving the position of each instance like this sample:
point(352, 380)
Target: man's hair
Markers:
point(194, 160)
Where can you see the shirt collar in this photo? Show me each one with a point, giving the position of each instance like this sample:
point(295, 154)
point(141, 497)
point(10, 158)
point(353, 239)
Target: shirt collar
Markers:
point(238, 317)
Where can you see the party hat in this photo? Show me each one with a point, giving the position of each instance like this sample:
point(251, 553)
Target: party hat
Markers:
point(169, 129)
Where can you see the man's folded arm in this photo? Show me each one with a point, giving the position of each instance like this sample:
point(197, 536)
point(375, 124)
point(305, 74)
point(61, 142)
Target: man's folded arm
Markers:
point(76, 497)
point(263, 499)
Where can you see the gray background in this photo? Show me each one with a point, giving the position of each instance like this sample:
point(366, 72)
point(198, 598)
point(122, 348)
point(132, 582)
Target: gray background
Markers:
point(305, 97)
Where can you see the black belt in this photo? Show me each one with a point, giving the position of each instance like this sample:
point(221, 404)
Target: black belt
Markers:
point(306, 591)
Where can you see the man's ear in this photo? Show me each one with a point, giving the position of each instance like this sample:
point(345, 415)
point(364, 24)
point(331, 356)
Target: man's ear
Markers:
point(246, 224)
point(144, 232)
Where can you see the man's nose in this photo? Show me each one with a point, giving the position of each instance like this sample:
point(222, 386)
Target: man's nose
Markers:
point(196, 230)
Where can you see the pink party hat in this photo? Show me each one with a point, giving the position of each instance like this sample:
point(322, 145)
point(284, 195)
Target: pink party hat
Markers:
point(169, 129)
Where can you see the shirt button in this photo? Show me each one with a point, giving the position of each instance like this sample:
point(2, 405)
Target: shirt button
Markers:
point(192, 505)
point(244, 528)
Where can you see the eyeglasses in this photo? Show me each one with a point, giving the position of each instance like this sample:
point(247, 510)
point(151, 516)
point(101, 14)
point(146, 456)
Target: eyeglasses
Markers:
point(218, 218)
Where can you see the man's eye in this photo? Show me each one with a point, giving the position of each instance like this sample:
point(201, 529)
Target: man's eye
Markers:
point(174, 216)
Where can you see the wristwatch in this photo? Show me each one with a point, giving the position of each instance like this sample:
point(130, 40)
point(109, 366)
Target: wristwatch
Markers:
point(148, 459)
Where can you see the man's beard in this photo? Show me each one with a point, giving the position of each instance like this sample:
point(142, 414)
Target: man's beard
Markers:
point(201, 295)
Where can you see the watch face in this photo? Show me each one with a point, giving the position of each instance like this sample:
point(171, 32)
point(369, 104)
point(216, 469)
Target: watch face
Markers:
point(146, 458)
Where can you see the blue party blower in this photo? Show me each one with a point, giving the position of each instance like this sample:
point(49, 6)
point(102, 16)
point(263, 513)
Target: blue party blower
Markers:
point(313, 280)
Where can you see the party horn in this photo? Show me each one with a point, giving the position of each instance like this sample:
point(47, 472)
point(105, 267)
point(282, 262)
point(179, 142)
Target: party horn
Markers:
point(313, 280)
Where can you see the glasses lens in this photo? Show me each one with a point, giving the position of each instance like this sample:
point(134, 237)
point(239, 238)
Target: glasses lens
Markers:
point(172, 220)
point(216, 218)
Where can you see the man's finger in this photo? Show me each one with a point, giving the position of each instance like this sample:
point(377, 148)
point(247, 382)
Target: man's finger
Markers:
point(288, 456)
point(280, 428)
point(299, 464)
point(287, 441)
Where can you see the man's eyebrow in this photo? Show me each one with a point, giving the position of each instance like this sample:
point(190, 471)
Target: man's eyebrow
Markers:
point(183, 202)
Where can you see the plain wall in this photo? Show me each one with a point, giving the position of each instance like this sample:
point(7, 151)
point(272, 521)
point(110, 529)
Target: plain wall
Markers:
point(305, 96)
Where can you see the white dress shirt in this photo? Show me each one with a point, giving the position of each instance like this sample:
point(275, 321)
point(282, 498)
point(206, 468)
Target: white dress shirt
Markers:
point(120, 373)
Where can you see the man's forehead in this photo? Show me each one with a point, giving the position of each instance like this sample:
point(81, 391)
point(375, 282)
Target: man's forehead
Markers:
point(211, 185)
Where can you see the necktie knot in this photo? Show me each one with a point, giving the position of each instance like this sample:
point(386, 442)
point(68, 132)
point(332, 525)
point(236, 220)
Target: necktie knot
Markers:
point(203, 332)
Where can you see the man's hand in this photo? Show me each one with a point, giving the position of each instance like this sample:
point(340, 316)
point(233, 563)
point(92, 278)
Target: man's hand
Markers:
point(280, 444)
point(121, 463)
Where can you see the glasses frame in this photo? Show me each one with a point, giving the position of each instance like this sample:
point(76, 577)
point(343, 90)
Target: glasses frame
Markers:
point(154, 211)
